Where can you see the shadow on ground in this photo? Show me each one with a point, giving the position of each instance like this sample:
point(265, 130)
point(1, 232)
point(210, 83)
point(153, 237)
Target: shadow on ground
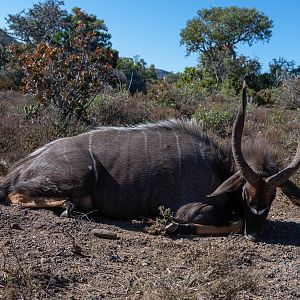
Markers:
point(282, 233)
point(276, 232)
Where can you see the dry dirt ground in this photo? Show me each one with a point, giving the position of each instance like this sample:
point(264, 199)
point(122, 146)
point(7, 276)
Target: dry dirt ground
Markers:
point(43, 256)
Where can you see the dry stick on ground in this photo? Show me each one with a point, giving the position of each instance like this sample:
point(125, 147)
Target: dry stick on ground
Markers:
point(76, 249)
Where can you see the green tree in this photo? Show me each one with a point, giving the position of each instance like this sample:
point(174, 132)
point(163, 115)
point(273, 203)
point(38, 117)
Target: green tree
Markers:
point(136, 72)
point(101, 36)
point(280, 66)
point(222, 28)
point(151, 73)
point(214, 34)
point(235, 70)
point(222, 71)
point(47, 22)
point(190, 74)
point(3, 57)
point(40, 23)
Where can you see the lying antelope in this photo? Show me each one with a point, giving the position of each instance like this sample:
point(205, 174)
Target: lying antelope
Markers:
point(127, 172)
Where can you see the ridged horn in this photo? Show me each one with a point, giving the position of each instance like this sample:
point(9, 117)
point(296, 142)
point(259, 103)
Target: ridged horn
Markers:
point(282, 176)
point(255, 180)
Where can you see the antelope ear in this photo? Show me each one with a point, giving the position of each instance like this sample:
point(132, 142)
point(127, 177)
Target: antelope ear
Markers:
point(292, 191)
point(229, 185)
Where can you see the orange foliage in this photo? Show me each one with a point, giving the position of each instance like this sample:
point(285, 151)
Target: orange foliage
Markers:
point(64, 77)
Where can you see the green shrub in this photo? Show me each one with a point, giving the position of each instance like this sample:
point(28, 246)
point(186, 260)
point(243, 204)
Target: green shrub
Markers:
point(215, 118)
point(119, 108)
point(263, 97)
point(159, 225)
point(291, 92)
point(230, 86)
point(10, 79)
point(277, 117)
point(191, 93)
point(163, 94)
point(182, 98)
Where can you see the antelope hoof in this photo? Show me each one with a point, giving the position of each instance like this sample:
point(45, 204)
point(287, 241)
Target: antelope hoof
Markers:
point(172, 227)
point(69, 207)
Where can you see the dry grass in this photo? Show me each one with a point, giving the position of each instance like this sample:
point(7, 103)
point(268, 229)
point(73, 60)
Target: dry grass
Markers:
point(19, 281)
point(30, 283)
point(218, 273)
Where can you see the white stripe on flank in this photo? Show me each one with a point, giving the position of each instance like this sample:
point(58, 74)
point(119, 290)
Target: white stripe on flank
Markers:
point(159, 139)
point(178, 149)
point(92, 156)
point(145, 142)
point(147, 157)
point(65, 154)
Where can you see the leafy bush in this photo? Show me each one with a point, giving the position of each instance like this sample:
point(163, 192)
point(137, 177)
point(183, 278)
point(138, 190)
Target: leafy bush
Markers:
point(65, 78)
point(263, 97)
point(190, 75)
point(277, 117)
point(215, 118)
point(10, 79)
point(19, 136)
point(163, 94)
point(183, 98)
point(158, 226)
point(191, 93)
point(291, 92)
point(118, 108)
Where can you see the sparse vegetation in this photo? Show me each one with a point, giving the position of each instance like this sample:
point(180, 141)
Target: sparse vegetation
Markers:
point(215, 118)
point(160, 223)
point(291, 92)
point(218, 273)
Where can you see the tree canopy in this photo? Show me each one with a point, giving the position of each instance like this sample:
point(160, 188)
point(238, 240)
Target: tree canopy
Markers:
point(136, 72)
point(47, 22)
point(218, 28)
point(65, 72)
point(214, 34)
point(40, 23)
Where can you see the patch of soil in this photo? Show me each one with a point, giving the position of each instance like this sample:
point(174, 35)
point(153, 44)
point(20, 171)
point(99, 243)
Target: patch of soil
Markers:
point(43, 256)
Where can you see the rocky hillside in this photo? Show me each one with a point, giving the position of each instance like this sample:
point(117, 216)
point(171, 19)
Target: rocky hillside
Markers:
point(6, 39)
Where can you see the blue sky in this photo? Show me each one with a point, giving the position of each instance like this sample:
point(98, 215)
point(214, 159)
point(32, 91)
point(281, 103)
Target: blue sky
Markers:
point(150, 28)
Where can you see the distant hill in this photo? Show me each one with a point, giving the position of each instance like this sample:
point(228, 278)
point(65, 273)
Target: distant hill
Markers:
point(161, 73)
point(6, 39)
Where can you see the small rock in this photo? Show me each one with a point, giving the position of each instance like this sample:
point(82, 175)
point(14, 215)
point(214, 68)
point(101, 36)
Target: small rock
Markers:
point(44, 260)
point(105, 234)
point(6, 243)
point(15, 226)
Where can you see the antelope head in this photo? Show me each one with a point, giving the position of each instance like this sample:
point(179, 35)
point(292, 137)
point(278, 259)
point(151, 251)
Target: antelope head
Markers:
point(258, 193)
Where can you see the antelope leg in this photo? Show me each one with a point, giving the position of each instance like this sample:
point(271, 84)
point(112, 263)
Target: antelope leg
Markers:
point(35, 202)
point(69, 207)
point(199, 229)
